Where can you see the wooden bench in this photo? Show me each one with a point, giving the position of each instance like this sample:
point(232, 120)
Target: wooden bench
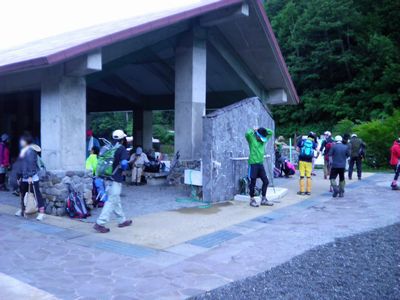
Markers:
point(156, 178)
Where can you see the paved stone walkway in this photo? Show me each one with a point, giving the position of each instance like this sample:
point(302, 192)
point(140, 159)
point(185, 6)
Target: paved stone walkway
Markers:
point(72, 265)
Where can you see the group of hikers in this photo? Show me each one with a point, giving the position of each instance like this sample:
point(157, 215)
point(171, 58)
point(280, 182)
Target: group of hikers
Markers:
point(337, 152)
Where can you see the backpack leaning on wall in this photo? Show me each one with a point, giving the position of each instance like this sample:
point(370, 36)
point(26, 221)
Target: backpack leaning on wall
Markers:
point(76, 206)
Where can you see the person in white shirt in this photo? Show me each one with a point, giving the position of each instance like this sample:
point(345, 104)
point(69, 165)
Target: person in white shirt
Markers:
point(137, 161)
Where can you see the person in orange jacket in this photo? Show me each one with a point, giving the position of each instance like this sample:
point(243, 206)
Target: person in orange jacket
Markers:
point(395, 162)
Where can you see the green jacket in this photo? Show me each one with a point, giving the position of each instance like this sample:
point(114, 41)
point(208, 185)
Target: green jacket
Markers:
point(257, 148)
point(91, 163)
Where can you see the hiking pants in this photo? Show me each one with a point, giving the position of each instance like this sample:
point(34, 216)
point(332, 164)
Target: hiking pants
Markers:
point(327, 168)
point(305, 169)
point(112, 205)
point(24, 187)
point(257, 171)
point(358, 161)
point(396, 172)
point(334, 173)
point(137, 172)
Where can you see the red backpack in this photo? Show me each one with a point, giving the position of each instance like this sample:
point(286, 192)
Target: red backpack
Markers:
point(328, 147)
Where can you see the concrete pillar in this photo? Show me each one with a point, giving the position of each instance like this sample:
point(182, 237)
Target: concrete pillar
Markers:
point(138, 127)
point(147, 129)
point(190, 94)
point(63, 122)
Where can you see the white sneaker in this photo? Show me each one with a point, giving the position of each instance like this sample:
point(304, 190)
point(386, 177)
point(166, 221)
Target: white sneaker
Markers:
point(19, 213)
point(40, 217)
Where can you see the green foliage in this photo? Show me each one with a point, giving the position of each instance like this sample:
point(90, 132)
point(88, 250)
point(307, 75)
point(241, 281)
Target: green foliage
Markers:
point(162, 126)
point(344, 58)
point(342, 127)
point(104, 123)
point(379, 135)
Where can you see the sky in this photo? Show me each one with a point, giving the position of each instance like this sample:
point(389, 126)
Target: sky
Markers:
point(24, 21)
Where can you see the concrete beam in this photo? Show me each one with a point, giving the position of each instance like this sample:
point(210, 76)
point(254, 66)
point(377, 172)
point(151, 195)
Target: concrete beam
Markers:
point(277, 96)
point(218, 41)
point(84, 65)
point(225, 15)
point(123, 89)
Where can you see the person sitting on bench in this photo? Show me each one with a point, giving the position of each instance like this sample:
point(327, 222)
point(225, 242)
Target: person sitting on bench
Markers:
point(137, 161)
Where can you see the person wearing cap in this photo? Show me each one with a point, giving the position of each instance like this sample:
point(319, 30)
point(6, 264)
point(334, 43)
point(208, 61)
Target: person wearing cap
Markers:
point(395, 163)
point(357, 147)
point(324, 149)
point(256, 139)
point(137, 161)
point(306, 148)
point(338, 155)
point(4, 160)
point(113, 204)
point(91, 142)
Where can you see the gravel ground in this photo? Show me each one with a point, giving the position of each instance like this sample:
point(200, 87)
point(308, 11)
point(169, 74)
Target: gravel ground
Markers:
point(364, 266)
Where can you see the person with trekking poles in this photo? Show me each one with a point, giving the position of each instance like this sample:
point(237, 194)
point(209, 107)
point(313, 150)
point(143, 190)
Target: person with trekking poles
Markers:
point(28, 174)
point(338, 155)
point(395, 163)
point(306, 148)
point(4, 161)
point(114, 180)
point(256, 139)
point(357, 147)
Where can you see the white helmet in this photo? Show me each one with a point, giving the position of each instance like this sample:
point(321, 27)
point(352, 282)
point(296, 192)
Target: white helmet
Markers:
point(354, 135)
point(118, 134)
point(338, 139)
point(327, 133)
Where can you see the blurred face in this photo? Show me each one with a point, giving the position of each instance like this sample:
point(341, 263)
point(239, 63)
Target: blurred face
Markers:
point(22, 143)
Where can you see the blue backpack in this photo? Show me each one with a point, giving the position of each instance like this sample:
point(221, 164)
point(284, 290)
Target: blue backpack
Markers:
point(307, 151)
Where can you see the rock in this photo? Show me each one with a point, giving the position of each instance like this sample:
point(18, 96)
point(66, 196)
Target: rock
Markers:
point(66, 180)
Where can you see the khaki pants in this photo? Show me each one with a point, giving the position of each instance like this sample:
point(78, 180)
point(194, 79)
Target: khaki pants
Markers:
point(137, 172)
point(326, 168)
point(112, 205)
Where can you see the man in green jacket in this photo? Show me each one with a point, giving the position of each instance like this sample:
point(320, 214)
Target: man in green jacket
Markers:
point(257, 138)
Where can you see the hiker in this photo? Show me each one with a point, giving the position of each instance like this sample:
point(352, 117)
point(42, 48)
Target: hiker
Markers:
point(138, 161)
point(306, 148)
point(91, 161)
point(28, 170)
point(287, 167)
point(338, 155)
point(91, 142)
point(257, 138)
point(278, 145)
point(357, 147)
point(4, 161)
point(324, 149)
point(113, 204)
point(395, 163)
point(316, 154)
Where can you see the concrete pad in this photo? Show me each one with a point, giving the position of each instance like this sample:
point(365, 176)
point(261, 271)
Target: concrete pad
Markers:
point(273, 194)
point(11, 288)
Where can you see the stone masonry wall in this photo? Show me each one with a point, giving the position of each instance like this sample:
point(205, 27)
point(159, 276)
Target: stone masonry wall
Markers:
point(54, 187)
point(223, 139)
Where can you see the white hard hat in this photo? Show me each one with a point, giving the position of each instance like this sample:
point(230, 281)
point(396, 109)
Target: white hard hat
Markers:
point(354, 135)
point(118, 134)
point(328, 133)
point(338, 138)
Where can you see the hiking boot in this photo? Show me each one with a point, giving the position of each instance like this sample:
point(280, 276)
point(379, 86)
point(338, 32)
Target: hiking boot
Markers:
point(19, 213)
point(308, 193)
point(265, 202)
point(300, 193)
point(101, 228)
point(341, 194)
point(253, 202)
point(125, 224)
point(335, 192)
point(40, 217)
point(359, 178)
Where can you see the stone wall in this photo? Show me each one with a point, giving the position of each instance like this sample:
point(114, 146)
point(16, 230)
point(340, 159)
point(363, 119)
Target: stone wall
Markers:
point(224, 140)
point(54, 187)
point(177, 173)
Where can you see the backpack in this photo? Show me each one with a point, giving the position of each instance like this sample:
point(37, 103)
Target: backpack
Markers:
point(328, 147)
point(105, 162)
point(244, 186)
point(307, 150)
point(76, 207)
point(356, 144)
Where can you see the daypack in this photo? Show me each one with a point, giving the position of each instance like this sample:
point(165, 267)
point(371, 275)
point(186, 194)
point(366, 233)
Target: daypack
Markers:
point(99, 193)
point(244, 185)
point(328, 147)
point(76, 207)
point(307, 151)
point(356, 144)
point(105, 162)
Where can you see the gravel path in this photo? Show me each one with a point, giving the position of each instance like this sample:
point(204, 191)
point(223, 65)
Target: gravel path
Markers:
point(364, 266)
